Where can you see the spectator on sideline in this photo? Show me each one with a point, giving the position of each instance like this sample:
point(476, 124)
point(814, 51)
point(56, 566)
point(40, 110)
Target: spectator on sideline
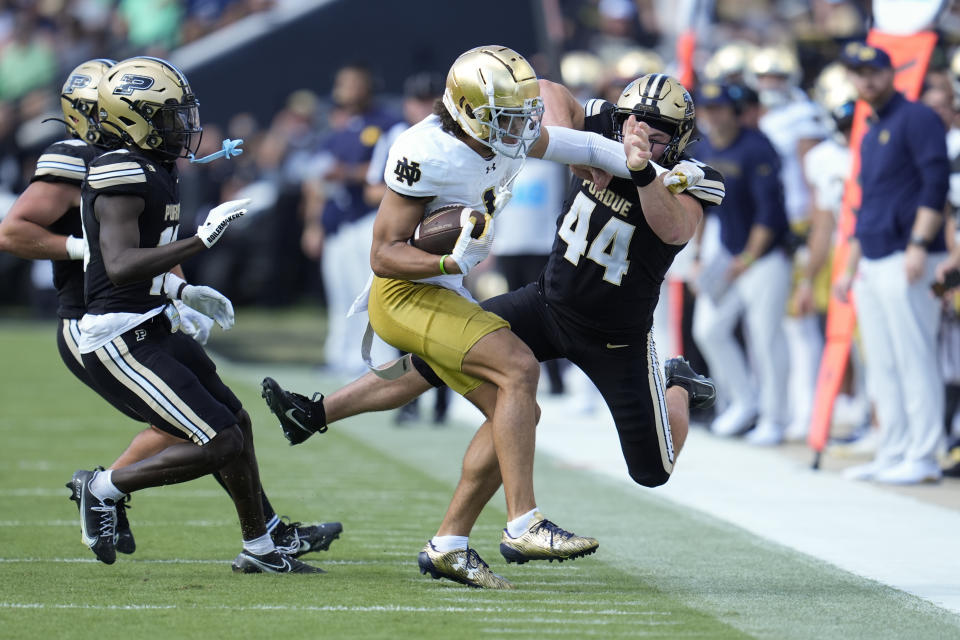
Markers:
point(338, 224)
point(750, 276)
point(898, 241)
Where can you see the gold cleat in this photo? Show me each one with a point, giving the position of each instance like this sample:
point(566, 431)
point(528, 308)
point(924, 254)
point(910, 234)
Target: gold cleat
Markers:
point(463, 565)
point(545, 541)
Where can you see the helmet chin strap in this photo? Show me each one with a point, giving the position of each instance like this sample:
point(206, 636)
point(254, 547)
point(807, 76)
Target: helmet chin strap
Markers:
point(231, 149)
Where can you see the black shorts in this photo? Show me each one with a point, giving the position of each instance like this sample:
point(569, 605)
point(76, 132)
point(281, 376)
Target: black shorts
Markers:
point(627, 374)
point(166, 378)
point(67, 336)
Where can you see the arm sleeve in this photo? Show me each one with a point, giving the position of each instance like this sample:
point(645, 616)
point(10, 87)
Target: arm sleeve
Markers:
point(927, 141)
point(567, 146)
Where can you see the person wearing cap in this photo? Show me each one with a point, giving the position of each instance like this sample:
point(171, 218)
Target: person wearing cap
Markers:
point(897, 243)
point(338, 224)
point(752, 281)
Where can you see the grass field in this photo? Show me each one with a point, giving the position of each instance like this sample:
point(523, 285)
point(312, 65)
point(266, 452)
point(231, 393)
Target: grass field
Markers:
point(661, 571)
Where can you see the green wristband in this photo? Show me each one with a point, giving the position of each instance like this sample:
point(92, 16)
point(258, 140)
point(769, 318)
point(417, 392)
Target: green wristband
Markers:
point(442, 270)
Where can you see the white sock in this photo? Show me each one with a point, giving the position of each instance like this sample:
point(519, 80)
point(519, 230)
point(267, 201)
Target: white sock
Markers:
point(259, 546)
point(449, 543)
point(518, 526)
point(272, 523)
point(102, 486)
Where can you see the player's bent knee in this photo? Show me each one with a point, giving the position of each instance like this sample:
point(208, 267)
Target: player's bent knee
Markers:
point(227, 445)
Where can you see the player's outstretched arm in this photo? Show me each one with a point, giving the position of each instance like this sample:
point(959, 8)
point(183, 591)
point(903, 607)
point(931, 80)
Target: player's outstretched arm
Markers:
point(674, 218)
point(24, 233)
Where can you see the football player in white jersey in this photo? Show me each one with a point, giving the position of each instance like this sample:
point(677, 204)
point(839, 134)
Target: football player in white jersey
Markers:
point(468, 153)
point(793, 124)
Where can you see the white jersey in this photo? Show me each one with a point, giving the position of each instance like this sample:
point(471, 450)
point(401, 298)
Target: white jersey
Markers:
point(827, 166)
point(428, 162)
point(785, 125)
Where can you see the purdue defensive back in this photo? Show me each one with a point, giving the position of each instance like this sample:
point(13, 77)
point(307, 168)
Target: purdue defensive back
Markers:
point(129, 341)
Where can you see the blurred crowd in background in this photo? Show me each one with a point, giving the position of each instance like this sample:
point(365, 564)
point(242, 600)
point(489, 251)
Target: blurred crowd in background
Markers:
point(315, 171)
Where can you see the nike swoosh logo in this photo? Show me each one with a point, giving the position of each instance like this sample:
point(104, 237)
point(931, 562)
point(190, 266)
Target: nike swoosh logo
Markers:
point(616, 346)
point(270, 567)
point(87, 540)
point(289, 414)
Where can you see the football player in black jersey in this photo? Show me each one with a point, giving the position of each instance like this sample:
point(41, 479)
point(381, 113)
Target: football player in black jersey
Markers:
point(594, 301)
point(128, 340)
point(44, 223)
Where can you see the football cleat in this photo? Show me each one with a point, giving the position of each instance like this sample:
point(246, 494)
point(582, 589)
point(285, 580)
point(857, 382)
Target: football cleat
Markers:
point(124, 536)
point(273, 562)
point(294, 539)
point(545, 541)
point(124, 540)
point(299, 417)
point(461, 565)
point(98, 518)
point(702, 391)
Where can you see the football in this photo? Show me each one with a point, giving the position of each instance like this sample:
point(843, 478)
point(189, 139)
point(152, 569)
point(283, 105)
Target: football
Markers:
point(438, 232)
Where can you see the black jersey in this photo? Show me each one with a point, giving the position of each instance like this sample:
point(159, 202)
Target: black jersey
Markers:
point(606, 267)
point(129, 173)
point(66, 161)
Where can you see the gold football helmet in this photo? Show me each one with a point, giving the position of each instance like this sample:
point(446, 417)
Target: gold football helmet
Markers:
point(729, 62)
point(148, 103)
point(637, 62)
point(581, 70)
point(778, 61)
point(492, 93)
point(662, 102)
point(834, 92)
point(78, 99)
point(833, 87)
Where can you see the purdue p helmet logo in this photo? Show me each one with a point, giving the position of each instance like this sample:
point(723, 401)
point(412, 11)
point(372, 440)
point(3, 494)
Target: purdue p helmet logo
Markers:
point(131, 82)
point(76, 81)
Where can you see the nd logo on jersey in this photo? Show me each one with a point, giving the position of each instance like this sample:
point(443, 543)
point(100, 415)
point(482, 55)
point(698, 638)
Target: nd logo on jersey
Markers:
point(407, 171)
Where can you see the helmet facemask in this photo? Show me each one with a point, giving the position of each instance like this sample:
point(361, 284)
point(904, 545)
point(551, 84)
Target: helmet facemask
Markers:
point(512, 130)
point(662, 103)
point(176, 130)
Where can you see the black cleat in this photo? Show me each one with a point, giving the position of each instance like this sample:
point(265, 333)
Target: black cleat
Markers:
point(124, 541)
point(702, 391)
point(124, 536)
point(273, 562)
point(299, 417)
point(294, 539)
point(98, 518)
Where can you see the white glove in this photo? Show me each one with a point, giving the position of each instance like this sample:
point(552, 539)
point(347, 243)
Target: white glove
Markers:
point(210, 303)
point(77, 248)
point(193, 323)
point(685, 175)
point(219, 219)
point(469, 252)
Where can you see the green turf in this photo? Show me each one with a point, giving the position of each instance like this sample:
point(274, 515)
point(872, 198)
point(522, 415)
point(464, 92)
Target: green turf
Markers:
point(661, 572)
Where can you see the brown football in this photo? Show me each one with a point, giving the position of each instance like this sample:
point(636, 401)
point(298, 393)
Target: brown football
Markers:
point(438, 232)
